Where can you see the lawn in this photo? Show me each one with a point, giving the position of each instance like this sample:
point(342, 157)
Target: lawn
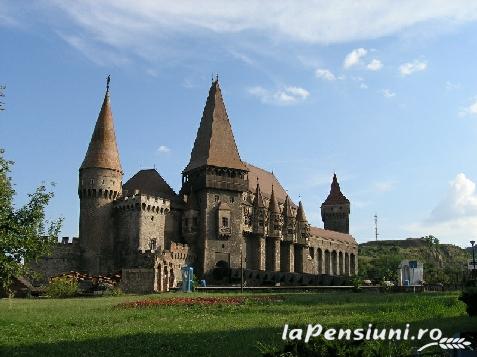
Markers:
point(95, 326)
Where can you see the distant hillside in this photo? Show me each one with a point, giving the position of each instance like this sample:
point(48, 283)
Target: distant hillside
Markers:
point(442, 262)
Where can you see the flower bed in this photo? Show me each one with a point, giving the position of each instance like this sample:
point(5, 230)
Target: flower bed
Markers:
point(216, 300)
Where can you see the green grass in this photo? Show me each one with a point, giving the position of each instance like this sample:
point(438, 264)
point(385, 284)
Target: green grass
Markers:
point(92, 326)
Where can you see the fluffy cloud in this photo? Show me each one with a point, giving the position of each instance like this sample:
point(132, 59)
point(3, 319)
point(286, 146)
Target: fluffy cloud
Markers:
point(286, 96)
point(388, 93)
point(454, 218)
point(470, 110)
point(410, 67)
point(325, 74)
point(163, 149)
point(375, 65)
point(354, 57)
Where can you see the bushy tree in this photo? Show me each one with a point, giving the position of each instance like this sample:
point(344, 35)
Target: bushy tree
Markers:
point(25, 234)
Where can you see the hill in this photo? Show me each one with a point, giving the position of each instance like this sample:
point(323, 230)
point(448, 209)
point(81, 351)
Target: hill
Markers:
point(443, 263)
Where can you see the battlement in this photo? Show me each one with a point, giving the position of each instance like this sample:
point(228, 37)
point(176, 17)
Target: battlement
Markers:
point(138, 201)
point(66, 241)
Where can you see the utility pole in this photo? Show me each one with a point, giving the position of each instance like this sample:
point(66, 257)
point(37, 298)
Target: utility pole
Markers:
point(376, 227)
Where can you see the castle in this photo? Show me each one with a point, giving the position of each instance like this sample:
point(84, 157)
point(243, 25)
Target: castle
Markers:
point(229, 217)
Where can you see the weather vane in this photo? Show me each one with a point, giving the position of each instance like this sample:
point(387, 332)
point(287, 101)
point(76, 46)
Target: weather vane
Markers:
point(108, 80)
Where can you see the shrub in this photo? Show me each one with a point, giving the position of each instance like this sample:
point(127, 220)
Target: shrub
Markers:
point(62, 287)
point(469, 297)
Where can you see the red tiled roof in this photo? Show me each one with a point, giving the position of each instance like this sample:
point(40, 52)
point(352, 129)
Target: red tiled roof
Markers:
point(215, 144)
point(102, 150)
point(332, 235)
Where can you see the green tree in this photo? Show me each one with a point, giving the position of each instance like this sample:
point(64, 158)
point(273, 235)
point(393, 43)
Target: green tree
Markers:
point(25, 234)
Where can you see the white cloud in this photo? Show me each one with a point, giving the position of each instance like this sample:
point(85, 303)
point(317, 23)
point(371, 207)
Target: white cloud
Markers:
point(286, 96)
point(363, 86)
point(163, 149)
point(354, 57)
point(155, 29)
point(454, 218)
point(388, 93)
point(410, 67)
point(469, 110)
point(385, 186)
point(375, 65)
point(452, 86)
point(325, 74)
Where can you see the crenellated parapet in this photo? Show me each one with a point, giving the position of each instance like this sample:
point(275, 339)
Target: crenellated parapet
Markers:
point(142, 202)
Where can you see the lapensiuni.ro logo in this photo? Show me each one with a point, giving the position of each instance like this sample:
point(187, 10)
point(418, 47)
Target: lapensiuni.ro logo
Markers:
point(372, 333)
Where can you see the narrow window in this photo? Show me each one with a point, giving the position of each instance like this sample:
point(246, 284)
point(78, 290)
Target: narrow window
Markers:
point(225, 222)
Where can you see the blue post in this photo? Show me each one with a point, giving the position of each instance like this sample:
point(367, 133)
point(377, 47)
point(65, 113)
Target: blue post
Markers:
point(187, 276)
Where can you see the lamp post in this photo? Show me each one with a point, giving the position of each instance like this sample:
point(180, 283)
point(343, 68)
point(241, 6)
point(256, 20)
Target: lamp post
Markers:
point(472, 242)
point(241, 266)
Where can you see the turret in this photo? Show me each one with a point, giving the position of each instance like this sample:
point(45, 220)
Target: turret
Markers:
point(259, 213)
point(288, 229)
point(274, 217)
point(100, 182)
point(336, 209)
point(302, 225)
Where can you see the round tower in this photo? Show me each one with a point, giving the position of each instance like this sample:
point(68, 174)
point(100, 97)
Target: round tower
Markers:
point(100, 182)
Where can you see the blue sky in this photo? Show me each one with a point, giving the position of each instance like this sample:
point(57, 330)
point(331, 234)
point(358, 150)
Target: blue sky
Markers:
point(382, 92)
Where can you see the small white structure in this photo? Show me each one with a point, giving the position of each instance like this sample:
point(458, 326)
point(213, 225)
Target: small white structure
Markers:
point(471, 264)
point(410, 272)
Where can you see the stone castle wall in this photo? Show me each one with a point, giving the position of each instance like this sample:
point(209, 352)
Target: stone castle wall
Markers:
point(64, 258)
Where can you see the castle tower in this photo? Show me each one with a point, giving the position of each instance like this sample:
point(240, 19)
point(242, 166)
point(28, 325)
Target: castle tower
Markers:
point(274, 234)
point(100, 182)
point(336, 209)
point(289, 222)
point(302, 225)
point(219, 177)
point(274, 217)
point(259, 214)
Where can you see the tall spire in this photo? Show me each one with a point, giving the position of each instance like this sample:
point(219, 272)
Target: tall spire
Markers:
point(287, 211)
point(258, 200)
point(215, 144)
point(273, 205)
point(300, 213)
point(335, 196)
point(102, 150)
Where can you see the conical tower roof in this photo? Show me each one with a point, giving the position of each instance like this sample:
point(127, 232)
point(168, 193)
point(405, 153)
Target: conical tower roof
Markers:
point(335, 197)
point(215, 144)
point(258, 199)
point(300, 213)
point(273, 205)
point(103, 150)
point(287, 211)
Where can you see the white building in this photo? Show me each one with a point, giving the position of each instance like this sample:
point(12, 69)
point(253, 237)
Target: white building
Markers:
point(410, 272)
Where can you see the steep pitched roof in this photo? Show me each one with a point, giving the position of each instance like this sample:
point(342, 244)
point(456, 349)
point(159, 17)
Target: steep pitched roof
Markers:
point(332, 235)
point(215, 144)
point(102, 150)
point(335, 196)
point(149, 182)
point(267, 180)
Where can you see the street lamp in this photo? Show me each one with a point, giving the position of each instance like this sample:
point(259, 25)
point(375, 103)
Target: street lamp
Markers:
point(472, 242)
